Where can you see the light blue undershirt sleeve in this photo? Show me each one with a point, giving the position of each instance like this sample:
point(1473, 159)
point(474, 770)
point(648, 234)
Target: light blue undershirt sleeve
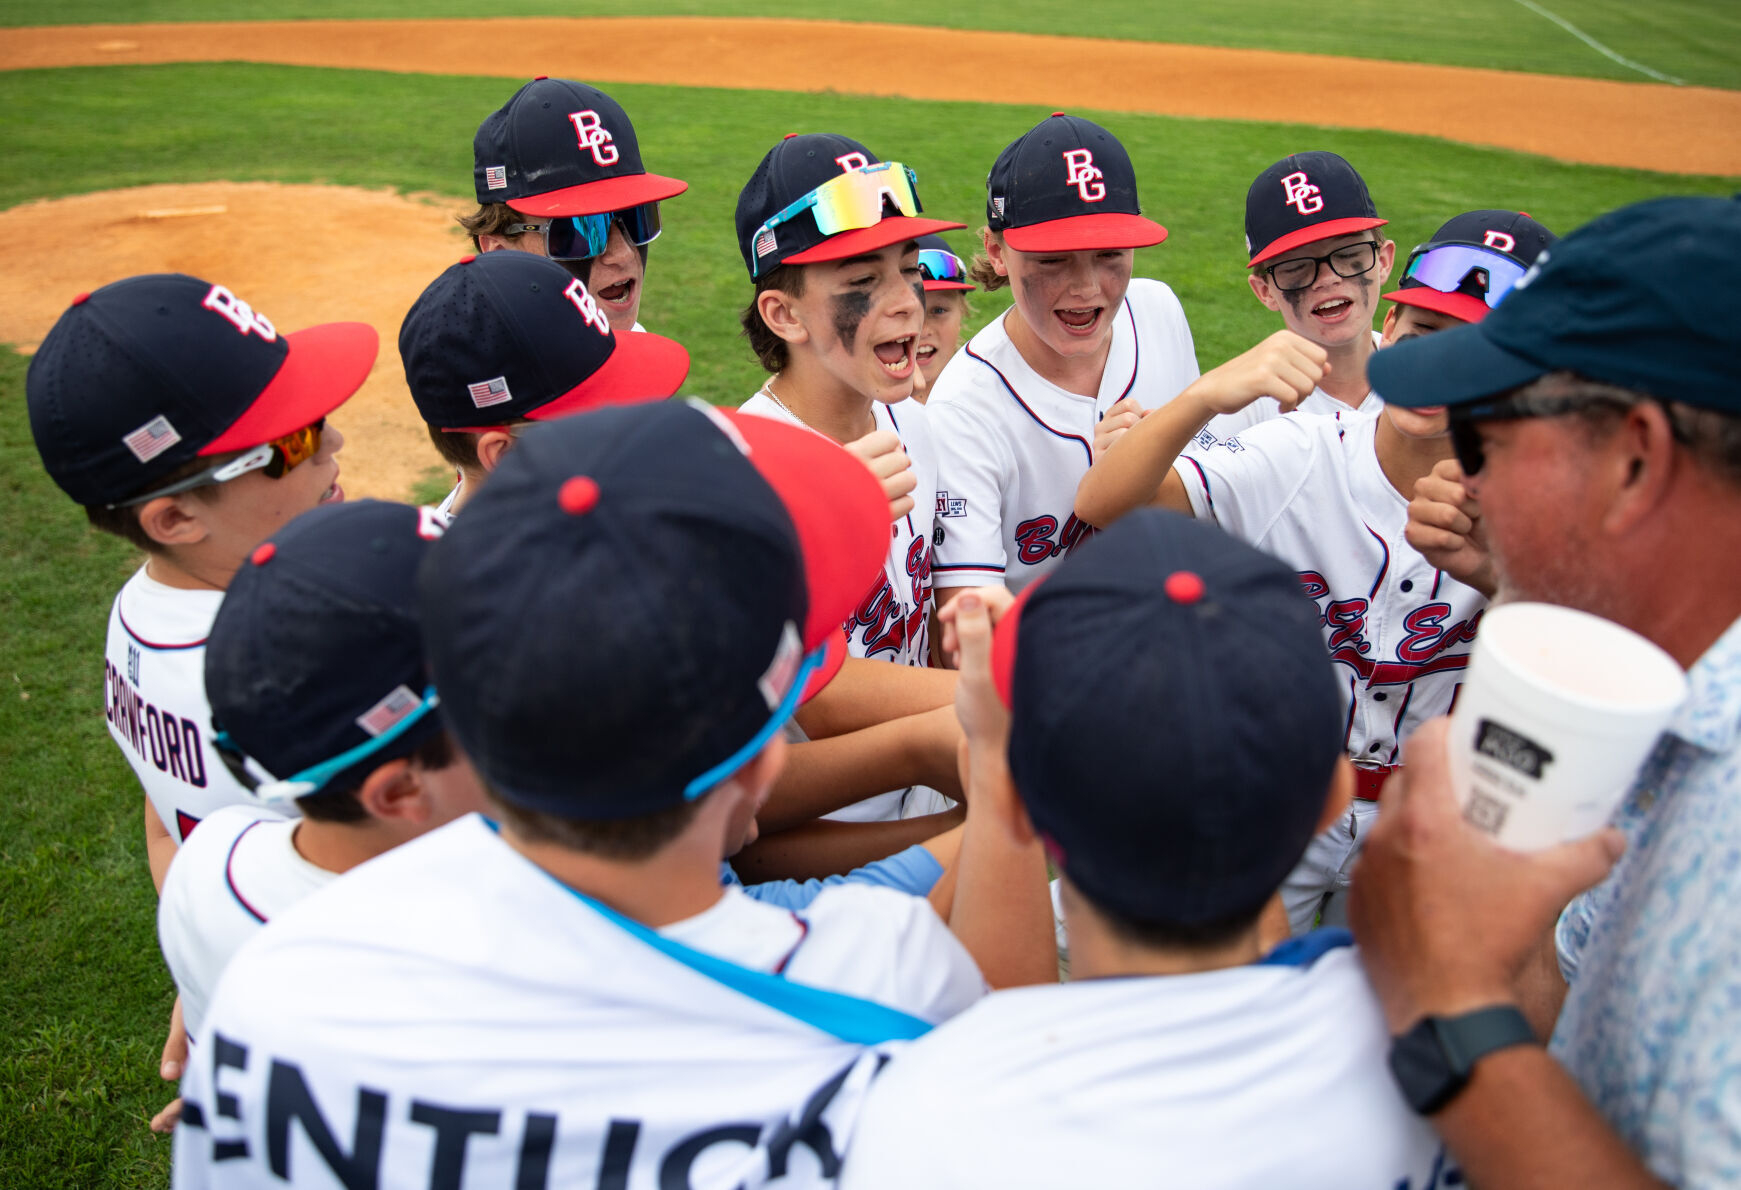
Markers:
point(914, 871)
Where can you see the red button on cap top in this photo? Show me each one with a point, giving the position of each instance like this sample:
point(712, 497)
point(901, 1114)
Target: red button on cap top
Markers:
point(1057, 113)
point(467, 258)
point(81, 299)
point(262, 554)
point(1183, 587)
point(578, 495)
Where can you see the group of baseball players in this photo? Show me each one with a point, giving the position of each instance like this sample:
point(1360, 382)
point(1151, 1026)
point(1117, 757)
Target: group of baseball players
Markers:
point(662, 808)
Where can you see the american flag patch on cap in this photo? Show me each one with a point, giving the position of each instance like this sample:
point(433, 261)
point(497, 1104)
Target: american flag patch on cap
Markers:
point(489, 392)
point(496, 177)
point(151, 439)
point(765, 241)
point(997, 206)
point(389, 711)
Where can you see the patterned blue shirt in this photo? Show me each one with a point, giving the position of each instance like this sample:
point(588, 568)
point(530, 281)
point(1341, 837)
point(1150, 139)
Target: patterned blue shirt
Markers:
point(1652, 1022)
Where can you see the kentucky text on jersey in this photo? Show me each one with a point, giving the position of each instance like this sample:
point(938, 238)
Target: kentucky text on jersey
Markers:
point(171, 742)
point(495, 1137)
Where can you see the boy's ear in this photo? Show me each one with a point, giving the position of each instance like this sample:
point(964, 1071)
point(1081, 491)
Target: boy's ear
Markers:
point(994, 251)
point(174, 520)
point(1390, 317)
point(1386, 258)
point(393, 792)
point(491, 446)
point(1266, 294)
point(780, 314)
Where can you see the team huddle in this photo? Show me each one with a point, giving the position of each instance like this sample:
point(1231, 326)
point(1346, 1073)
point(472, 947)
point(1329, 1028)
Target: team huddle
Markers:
point(705, 797)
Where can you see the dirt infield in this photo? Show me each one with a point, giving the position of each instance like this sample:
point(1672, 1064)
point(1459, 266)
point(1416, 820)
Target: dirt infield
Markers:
point(367, 258)
point(1640, 125)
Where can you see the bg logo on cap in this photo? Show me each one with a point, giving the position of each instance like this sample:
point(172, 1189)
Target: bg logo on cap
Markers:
point(577, 293)
point(1081, 172)
point(1305, 197)
point(222, 301)
point(594, 136)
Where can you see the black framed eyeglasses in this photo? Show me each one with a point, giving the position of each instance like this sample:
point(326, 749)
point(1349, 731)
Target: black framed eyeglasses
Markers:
point(1299, 272)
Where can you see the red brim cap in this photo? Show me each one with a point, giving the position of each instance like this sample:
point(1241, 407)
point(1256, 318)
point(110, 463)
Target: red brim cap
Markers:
point(1003, 647)
point(832, 660)
point(1311, 235)
point(641, 367)
point(946, 286)
point(323, 365)
point(1466, 306)
point(893, 230)
point(837, 507)
point(1085, 233)
point(595, 198)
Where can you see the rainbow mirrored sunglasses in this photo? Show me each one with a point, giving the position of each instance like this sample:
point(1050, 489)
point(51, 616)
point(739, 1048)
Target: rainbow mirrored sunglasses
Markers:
point(274, 458)
point(582, 237)
point(1486, 273)
point(854, 199)
point(938, 265)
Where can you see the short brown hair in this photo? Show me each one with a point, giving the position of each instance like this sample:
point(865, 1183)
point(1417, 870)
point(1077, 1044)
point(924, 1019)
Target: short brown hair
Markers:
point(623, 839)
point(123, 520)
point(770, 349)
point(459, 448)
point(981, 271)
point(489, 220)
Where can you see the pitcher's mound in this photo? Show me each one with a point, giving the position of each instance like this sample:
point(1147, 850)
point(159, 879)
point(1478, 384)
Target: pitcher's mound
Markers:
point(298, 254)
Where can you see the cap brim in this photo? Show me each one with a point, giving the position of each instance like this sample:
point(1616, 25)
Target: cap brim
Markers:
point(1312, 234)
point(322, 367)
point(837, 507)
point(1450, 367)
point(642, 367)
point(832, 659)
point(1085, 233)
point(947, 286)
point(1003, 646)
point(893, 230)
point(607, 194)
point(1458, 305)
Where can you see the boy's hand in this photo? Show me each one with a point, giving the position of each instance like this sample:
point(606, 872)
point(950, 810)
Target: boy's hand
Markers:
point(967, 623)
point(1285, 366)
point(1121, 417)
point(1445, 526)
point(881, 452)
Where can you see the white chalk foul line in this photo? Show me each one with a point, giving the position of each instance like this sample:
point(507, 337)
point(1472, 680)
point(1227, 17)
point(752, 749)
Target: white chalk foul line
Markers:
point(1599, 47)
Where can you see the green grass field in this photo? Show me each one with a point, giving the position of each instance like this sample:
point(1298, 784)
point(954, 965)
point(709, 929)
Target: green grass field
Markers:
point(82, 985)
point(1698, 41)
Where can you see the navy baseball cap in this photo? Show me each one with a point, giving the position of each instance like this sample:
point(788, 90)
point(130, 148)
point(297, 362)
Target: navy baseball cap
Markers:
point(563, 148)
point(792, 169)
point(1304, 198)
point(512, 334)
point(144, 375)
point(314, 665)
point(1471, 263)
point(631, 607)
point(1067, 185)
point(1169, 781)
point(1627, 300)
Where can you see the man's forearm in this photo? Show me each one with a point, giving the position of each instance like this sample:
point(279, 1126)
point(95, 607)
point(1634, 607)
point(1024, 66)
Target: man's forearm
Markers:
point(1523, 1124)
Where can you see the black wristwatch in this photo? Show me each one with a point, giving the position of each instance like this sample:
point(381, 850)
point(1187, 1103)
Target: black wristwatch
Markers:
point(1432, 1061)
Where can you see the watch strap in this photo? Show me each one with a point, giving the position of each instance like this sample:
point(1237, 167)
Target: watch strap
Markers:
point(1473, 1035)
point(1433, 1060)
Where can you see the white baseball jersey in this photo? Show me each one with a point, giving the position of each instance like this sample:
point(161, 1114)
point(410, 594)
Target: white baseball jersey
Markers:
point(448, 1014)
point(155, 700)
point(1228, 425)
point(232, 877)
point(1012, 446)
point(1272, 1074)
point(892, 622)
point(1310, 491)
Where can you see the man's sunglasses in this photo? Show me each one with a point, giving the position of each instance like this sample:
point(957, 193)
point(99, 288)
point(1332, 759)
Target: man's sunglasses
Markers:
point(582, 237)
point(1466, 437)
point(274, 458)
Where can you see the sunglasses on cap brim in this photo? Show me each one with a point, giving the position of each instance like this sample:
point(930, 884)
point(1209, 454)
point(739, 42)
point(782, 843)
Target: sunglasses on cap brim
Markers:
point(938, 265)
point(582, 237)
point(274, 458)
point(854, 199)
point(1482, 272)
